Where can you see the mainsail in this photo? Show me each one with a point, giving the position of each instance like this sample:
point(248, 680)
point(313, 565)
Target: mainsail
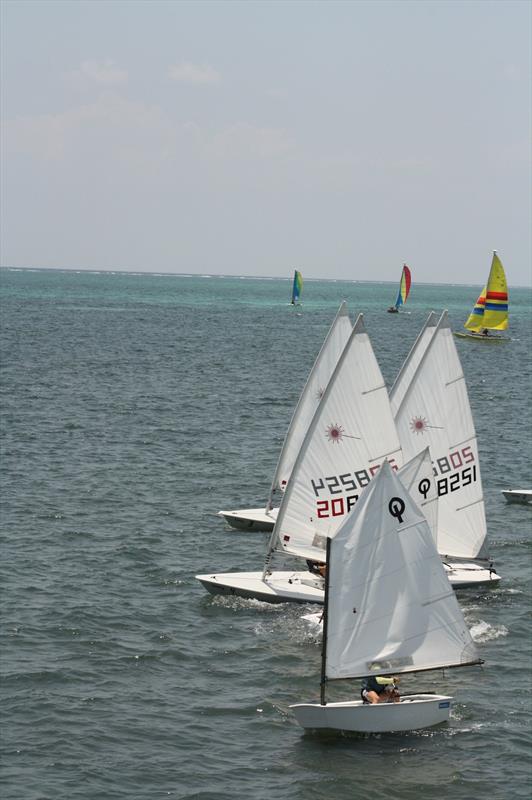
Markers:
point(433, 409)
point(410, 364)
point(404, 287)
point(350, 434)
point(491, 309)
point(417, 476)
point(315, 386)
point(297, 287)
point(389, 606)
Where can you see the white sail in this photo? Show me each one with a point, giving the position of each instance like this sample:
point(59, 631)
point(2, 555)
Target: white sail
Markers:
point(407, 371)
point(315, 386)
point(350, 434)
point(418, 479)
point(435, 411)
point(389, 605)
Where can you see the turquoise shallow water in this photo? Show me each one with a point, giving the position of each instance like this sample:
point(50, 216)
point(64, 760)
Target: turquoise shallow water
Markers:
point(133, 408)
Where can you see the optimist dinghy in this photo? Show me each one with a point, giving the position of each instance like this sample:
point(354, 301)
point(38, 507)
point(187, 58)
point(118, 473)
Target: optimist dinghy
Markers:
point(388, 609)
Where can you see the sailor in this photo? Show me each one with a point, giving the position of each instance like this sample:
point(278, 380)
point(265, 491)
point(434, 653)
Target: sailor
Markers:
point(316, 567)
point(379, 689)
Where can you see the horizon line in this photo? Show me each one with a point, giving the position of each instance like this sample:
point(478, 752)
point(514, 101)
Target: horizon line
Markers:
point(160, 273)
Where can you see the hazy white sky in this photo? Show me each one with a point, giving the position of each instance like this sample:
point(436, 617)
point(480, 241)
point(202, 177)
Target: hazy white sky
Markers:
point(252, 138)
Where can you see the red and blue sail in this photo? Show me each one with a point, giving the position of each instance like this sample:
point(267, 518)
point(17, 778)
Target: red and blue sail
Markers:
point(404, 287)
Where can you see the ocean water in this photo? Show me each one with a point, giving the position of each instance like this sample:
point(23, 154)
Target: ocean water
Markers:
point(133, 408)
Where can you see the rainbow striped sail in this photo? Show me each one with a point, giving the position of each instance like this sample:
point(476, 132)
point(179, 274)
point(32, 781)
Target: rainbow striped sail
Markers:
point(491, 309)
point(297, 287)
point(404, 288)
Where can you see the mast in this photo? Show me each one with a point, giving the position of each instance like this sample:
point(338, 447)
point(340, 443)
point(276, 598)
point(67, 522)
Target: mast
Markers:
point(430, 322)
point(323, 681)
point(330, 352)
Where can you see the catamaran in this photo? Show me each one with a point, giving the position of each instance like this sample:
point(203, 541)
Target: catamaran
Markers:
point(404, 290)
point(490, 312)
point(431, 407)
point(297, 287)
point(388, 609)
point(263, 519)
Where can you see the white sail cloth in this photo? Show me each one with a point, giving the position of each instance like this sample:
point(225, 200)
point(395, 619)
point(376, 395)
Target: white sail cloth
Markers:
point(432, 408)
point(351, 433)
point(311, 395)
point(389, 605)
point(418, 479)
point(411, 362)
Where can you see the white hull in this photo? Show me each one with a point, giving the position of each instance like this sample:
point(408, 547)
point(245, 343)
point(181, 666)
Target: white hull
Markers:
point(464, 575)
point(481, 337)
point(412, 713)
point(279, 587)
point(517, 495)
point(304, 587)
point(250, 519)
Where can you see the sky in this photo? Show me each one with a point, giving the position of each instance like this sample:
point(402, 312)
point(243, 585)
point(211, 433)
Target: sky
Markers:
point(253, 138)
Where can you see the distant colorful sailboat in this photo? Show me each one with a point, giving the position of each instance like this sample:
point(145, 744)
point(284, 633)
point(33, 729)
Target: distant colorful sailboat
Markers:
point(490, 312)
point(297, 287)
point(404, 290)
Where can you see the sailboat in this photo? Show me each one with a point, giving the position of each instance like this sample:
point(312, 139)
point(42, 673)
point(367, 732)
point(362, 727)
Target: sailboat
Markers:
point(388, 609)
point(517, 495)
point(431, 407)
point(263, 519)
point(490, 312)
point(297, 287)
point(404, 290)
point(351, 432)
point(417, 479)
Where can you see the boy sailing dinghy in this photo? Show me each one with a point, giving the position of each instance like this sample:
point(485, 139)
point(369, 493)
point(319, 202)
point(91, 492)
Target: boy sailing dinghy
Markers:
point(490, 312)
point(404, 290)
point(351, 432)
point(430, 405)
point(263, 519)
point(388, 609)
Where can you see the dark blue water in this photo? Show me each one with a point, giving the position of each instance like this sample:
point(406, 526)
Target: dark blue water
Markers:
point(133, 407)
